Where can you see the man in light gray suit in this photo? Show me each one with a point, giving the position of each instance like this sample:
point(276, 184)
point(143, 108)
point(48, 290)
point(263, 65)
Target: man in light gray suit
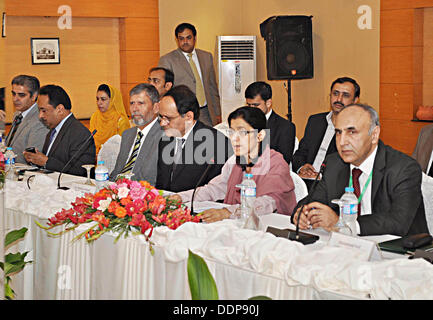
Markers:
point(194, 68)
point(139, 146)
point(26, 130)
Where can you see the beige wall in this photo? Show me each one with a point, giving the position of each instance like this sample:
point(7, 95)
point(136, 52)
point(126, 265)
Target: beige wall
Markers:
point(340, 47)
point(89, 56)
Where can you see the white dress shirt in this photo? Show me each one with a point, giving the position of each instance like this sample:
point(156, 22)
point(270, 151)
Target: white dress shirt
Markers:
point(24, 113)
point(197, 64)
point(430, 163)
point(366, 167)
point(268, 115)
point(321, 154)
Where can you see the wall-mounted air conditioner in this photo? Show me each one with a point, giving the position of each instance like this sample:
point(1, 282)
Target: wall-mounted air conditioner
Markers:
point(237, 69)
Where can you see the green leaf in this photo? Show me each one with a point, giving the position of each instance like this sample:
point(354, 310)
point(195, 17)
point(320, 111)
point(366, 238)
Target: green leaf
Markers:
point(260, 298)
point(201, 283)
point(15, 235)
point(9, 293)
point(14, 262)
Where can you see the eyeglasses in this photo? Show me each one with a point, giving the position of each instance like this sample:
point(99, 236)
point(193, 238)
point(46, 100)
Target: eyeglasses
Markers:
point(167, 119)
point(240, 133)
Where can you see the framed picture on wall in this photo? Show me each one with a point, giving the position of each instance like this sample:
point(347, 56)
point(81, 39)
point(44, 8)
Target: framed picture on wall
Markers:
point(45, 50)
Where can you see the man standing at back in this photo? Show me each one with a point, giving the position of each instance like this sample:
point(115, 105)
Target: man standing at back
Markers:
point(194, 68)
point(282, 132)
point(319, 136)
point(26, 130)
point(67, 135)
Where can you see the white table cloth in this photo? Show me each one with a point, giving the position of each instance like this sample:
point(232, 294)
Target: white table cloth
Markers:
point(244, 263)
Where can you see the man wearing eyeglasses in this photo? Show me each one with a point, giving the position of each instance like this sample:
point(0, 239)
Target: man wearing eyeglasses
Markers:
point(319, 135)
point(139, 145)
point(190, 149)
point(282, 131)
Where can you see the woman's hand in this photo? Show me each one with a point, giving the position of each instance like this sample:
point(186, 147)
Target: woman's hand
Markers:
point(213, 215)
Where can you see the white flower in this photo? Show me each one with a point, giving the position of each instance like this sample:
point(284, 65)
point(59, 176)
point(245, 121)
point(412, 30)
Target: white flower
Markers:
point(103, 204)
point(122, 192)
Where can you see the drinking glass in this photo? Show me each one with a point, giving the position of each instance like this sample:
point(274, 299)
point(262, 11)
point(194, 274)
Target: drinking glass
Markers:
point(341, 226)
point(88, 167)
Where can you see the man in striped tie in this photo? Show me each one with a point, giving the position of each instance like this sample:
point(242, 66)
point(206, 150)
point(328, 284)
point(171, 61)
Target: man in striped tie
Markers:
point(138, 153)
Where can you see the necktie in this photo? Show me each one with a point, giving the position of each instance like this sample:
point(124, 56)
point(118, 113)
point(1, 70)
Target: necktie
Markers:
point(355, 176)
point(130, 164)
point(430, 172)
point(177, 155)
point(199, 90)
point(15, 124)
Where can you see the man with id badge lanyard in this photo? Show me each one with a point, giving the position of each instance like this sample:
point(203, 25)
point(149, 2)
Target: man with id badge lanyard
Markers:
point(387, 182)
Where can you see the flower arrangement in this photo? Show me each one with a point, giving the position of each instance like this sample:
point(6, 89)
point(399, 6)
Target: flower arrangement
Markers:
point(124, 207)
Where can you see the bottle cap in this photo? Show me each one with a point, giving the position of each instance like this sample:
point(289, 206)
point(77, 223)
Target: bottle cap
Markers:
point(100, 162)
point(9, 148)
point(349, 189)
point(248, 175)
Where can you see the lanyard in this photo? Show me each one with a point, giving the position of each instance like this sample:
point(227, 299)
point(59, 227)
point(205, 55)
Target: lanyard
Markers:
point(365, 186)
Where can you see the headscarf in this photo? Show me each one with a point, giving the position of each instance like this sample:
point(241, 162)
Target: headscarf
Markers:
point(113, 121)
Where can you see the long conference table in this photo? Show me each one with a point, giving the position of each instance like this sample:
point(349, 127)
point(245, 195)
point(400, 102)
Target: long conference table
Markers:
point(244, 263)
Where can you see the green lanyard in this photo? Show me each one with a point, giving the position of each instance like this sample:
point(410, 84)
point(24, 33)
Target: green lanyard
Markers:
point(365, 186)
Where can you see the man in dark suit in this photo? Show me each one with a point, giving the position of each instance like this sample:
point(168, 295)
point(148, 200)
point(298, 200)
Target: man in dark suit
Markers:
point(194, 68)
point(319, 136)
point(423, 152)
point(138, 152)
point(189, 147)
point(282, 132)
point(66, 136)
point(391, 200)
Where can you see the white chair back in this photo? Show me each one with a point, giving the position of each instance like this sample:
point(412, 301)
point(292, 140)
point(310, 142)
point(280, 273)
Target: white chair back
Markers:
point(222, 127)
point(301, 190)
point(109, 151)
point(427, 194)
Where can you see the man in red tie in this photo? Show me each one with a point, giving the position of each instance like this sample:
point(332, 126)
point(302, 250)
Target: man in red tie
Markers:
point(387, 182)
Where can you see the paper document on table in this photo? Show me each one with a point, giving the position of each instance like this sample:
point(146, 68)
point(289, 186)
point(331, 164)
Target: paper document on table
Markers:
point(200, 206)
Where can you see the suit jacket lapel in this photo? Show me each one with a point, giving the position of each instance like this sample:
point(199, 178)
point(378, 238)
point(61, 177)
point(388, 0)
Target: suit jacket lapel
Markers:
point(63, 130)
point(184, 63)
point(378, 168)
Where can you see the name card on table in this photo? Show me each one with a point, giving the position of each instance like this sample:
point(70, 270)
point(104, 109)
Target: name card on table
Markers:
point(83, 188)
point(367, 247)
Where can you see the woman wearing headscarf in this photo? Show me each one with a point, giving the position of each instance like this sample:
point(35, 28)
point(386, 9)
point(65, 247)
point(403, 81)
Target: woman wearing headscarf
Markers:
point(275, 189)
point(110, 118)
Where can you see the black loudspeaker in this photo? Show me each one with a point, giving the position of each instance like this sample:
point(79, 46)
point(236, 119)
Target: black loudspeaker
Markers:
point(289, 47)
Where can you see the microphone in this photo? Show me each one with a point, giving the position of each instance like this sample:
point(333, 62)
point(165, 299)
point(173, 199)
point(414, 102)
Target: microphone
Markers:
point(302, 237)
point(198, 183)
point(79, 151)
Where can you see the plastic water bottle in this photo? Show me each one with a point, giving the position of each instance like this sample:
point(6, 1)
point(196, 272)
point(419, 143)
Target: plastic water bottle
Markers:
point(101, 175)
point(350, 209)
point(2, 143)
point(10, 163)
point(248, 197)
